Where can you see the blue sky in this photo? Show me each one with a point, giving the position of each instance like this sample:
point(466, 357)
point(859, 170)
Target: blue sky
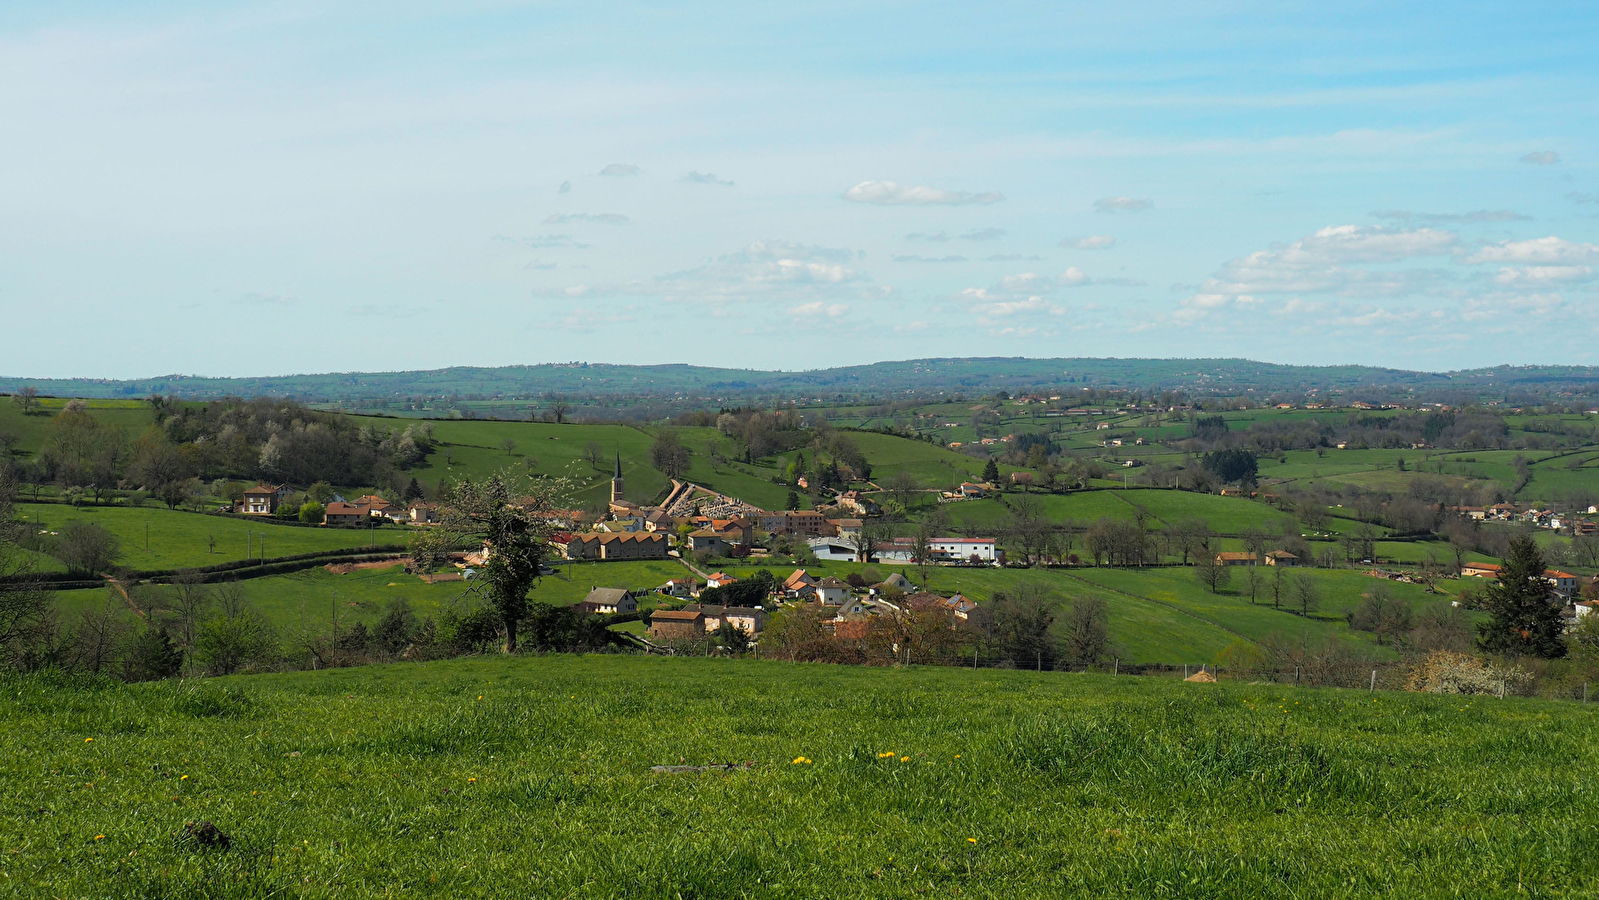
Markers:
point(265, 188)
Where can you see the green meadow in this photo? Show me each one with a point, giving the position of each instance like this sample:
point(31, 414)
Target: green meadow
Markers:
point(153, 538)
point(532, 777)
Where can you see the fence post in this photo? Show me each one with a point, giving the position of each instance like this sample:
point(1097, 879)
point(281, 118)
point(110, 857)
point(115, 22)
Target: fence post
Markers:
point(1117, 670)
point(1501, 688)
point(1040, 660)
point(1296, 676)
point(1374, 679)
point(974, 659)
point(1185, 671)
point(1585, 692)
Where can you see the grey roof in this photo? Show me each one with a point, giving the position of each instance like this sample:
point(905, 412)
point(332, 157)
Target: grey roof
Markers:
point(606, 596)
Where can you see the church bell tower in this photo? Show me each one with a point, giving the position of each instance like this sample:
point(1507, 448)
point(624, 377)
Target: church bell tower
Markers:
point(616, 481)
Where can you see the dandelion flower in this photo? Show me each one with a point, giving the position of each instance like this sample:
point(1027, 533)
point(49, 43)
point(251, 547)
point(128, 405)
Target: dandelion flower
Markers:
point(470, 780)
point(480, 696)
point(184, 778)
point(798, 760)
point(957, 756)
point(88, 740)
point(971, 840)
point(904, 759)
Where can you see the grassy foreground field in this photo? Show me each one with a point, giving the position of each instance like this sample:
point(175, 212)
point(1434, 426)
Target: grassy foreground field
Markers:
point(531, 777)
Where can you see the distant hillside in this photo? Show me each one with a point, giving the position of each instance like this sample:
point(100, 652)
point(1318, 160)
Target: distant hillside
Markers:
point(875, 380)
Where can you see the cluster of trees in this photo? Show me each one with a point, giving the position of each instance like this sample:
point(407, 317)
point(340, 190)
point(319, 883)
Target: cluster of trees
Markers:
point(1026, 628)
point(192, 446)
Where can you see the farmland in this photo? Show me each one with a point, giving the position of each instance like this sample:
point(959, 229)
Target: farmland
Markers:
point(430, 780)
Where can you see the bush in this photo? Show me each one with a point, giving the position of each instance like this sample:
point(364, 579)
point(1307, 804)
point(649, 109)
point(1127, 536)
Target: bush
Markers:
point(1444, 672)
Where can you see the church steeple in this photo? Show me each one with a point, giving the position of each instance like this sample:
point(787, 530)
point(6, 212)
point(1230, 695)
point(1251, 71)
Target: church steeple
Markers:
point(616, 480)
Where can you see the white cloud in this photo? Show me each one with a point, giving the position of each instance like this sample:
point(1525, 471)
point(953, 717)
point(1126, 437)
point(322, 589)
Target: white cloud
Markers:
point(1541, 158)
point(1325, 262)
point(907, 258)
point(796, 274)
point(1012, 257)
point(1544, 275)
point(619, 170)
point(887, 193)
point(917, 325)
point(1123, 204)
point(1545, 250)
point(704, 178)
point(602, 218)
point(984, 234)
point(1089, 242)
point(818, 308)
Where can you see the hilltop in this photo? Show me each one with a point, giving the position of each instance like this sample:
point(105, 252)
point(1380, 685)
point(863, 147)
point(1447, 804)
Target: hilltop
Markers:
point(874, 380)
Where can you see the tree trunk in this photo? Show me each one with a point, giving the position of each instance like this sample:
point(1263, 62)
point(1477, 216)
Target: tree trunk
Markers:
point(510, 635)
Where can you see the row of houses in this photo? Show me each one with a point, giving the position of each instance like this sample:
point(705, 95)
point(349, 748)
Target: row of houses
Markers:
point(265, 499)
point(1564, 584)
point(1537, 517)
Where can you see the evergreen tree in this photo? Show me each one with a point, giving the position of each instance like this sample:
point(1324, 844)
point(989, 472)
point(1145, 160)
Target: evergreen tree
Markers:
point(991, 472)
point(1522, 620)
point(413, 491)
point(153, 656)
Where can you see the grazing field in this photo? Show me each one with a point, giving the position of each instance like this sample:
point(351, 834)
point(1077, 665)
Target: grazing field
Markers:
point(316, 596)
point(183, 539)
point(531, 777)
point(1225, 515)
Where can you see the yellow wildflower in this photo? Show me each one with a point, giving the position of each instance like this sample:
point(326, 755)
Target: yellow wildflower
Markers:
point(184, 778)
point(904, 759)
point(971, 840)
point(99, 837)
point(88, 740)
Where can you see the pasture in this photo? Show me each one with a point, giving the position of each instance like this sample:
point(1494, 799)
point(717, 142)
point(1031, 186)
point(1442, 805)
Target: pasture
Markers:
point(532, 776)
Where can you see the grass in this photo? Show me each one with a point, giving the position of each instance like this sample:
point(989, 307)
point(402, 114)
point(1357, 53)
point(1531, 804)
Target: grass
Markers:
point(1226, 515)
point(531, 777)
point(314, 597)
point(182, 539)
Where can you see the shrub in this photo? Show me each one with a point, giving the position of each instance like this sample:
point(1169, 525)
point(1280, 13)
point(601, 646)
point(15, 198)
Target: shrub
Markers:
point(1444, 672)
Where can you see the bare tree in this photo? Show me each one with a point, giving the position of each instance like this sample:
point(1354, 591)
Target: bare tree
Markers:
point(902, 486)
point(1255, 582)
point(27, 398)
point(1212, 573)
point(595, 454)
point(559, 408)
point(1086, 631)
point(509, 446)
point(1307, 596)
point(86, 548)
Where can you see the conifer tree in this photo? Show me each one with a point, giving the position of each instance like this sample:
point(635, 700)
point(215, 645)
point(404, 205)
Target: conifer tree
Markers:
point(991, 472)
point(1523, 622)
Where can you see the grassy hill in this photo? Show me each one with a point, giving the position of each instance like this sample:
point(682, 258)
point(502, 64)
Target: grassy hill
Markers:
point(532, 777)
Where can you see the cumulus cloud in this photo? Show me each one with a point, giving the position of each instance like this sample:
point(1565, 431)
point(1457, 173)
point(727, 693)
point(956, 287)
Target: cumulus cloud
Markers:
point(937, 237)
point(783, 271)
point(984, 234)
point(1089, 242)
point(566, 188)
point(1327, 262)
point(1538, 251)
point(1541, 158)
point(619, 170)
point(1075, 277)
point(888, 193)
point(704, 178)
point(1544, 275)
point(817, 308)
point(1123, 204)
point(1476, 216)
point(602, 218)
point(908, 258)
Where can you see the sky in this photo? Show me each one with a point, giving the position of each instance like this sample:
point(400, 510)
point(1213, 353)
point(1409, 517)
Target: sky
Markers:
point(285, 187)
